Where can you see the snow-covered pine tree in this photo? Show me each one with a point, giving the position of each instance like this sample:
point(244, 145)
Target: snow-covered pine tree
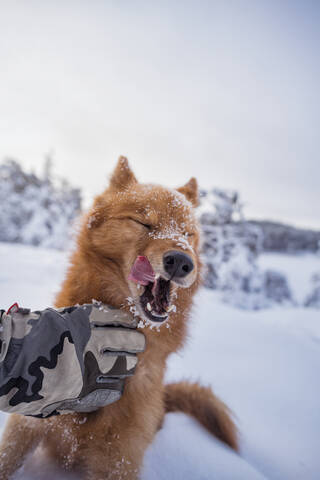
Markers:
point(36, 210)
point(313, 298)
point(231, 246)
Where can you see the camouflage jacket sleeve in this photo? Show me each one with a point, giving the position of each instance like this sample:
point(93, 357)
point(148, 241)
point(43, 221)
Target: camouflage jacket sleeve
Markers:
point(66, 360)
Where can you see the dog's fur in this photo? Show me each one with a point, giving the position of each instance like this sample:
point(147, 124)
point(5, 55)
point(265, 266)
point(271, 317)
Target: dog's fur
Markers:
point(110, 443)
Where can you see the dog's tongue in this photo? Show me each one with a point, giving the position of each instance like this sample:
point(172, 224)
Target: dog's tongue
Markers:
point(142, 271)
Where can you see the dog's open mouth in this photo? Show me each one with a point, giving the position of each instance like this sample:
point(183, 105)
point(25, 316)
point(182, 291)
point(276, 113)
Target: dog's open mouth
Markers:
point(155, 299)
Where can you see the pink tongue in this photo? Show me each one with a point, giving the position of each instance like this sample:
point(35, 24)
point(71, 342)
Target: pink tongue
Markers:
point(142, 271)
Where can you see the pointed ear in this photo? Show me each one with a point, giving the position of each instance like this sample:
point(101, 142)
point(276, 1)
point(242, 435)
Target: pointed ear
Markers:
point(122, 175)
point(190, 191)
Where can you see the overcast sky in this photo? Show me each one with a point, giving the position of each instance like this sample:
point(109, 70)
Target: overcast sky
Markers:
point(227, 91)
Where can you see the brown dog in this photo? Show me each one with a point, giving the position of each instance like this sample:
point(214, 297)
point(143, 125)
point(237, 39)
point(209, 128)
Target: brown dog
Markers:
point(129, 220)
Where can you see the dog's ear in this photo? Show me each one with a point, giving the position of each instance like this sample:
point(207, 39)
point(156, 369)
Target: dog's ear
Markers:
point(122, 176)
point(190, 191)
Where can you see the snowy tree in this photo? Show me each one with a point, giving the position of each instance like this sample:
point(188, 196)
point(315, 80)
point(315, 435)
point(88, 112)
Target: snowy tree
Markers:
point(230, 248)
point(36, 210)
point(313, 299)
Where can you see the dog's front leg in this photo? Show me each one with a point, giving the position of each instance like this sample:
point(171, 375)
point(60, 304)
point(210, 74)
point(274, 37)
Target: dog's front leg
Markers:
point(119, 461)
point(20, 437)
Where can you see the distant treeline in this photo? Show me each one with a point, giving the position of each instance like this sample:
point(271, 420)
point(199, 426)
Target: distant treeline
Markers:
point(278, 237)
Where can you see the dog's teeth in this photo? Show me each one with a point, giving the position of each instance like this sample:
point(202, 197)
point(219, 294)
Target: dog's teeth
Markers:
point(172, 308)
point(160, 315)
point(138, 286)
point(149, 307)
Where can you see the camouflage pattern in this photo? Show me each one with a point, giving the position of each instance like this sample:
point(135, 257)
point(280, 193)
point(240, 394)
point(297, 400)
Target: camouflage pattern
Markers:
point(70, 359)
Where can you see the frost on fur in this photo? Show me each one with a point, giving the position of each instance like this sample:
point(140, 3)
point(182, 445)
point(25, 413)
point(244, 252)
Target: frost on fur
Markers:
point(174, 232)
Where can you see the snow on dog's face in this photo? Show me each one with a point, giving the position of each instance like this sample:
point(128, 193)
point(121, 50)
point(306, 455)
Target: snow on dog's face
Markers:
point(149, 234)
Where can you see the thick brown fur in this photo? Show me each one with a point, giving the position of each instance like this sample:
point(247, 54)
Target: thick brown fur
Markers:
point(110, 443)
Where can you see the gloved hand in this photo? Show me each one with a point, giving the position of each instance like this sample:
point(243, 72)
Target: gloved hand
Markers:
point(70, 359)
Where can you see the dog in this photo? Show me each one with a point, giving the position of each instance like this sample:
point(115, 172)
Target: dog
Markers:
point(129, 223)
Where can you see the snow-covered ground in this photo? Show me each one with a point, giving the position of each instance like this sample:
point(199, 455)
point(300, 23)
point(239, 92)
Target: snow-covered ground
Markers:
point(265, 365)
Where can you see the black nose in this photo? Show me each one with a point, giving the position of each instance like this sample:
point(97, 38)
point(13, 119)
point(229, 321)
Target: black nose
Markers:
point(177, 264)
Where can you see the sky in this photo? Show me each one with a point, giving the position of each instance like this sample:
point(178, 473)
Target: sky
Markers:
point(227, 92)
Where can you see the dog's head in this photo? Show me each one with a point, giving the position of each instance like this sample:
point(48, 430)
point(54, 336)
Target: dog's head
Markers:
point(149, 235)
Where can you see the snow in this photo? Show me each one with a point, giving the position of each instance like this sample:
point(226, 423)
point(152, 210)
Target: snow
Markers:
point(31, 276)
point(173, 232)
point(36, 210)
point(264, 364)
point(297, 268)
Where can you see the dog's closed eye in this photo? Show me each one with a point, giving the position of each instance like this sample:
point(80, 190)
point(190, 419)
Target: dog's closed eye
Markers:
point(188, 234)
point(146, 225)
